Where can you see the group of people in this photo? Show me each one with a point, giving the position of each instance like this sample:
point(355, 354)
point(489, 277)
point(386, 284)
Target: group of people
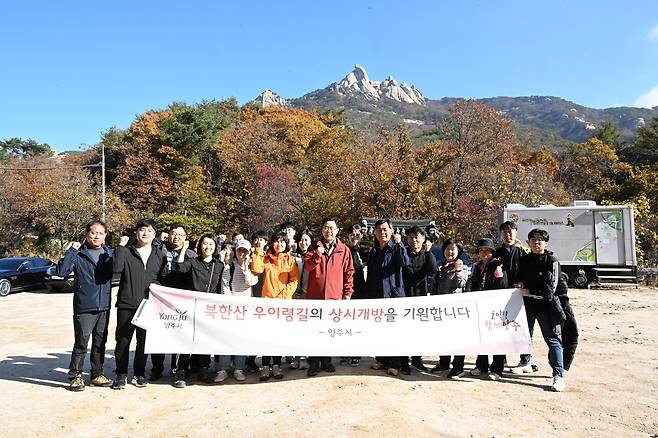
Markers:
point(295, 264)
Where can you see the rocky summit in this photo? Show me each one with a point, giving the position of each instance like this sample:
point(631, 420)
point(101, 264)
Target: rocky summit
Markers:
point(357, 81)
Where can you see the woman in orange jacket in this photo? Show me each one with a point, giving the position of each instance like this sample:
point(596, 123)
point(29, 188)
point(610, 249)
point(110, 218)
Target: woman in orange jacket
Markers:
point(280, 278)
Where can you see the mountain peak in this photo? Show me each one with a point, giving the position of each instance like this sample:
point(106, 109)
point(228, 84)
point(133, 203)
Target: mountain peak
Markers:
point(357, 83)
point(270, 98)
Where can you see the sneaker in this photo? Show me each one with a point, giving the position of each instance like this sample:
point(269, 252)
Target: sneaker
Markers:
point(522, 369)
point(495, 376)
point(77, 384)
point(265, 373)
point(221, 376)
point(377, 366)
point(344, 360)
point(101, 380)
point(354, 362)
point(418, 364)
point(330, 368)
point(120, 382)
point(294, 365)
point(438, 369)
point(179, 379)
point(456, 375)
point(276, 372)
point(559, 384)
point(476, 372)
point(139, 381)
point(313, 370)
point(392, 372)
point(239, 376)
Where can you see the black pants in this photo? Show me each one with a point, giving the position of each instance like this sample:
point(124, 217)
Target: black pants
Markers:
point(198, 360)
point(569, 335)
point(322, 361)
point(457, 363)
point(124, 335)
point(276, 360)
point(157, 363)
point(497, 365)
point(92, 324)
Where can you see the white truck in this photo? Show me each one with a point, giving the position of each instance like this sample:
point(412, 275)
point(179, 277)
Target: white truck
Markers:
point(594, 243)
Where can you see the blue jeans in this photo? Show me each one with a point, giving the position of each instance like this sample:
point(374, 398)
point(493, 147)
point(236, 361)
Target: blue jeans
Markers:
point(238, 362)
point(551, 334)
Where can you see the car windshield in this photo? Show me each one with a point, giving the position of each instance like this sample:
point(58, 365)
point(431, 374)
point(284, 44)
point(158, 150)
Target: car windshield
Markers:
point(9, 265)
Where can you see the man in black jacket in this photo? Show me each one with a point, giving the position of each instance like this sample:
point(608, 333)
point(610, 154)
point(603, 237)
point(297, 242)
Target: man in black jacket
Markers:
point(91, 262)
point(139, 265)
point(418, 279)
point(172, 245)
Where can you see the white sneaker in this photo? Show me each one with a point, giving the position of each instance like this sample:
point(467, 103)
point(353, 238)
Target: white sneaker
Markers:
point(559, 384)
point(476, 372)
point(456, 376)
point(521, 369)
point(239, 376)
point(221, 376)
point(495, 377)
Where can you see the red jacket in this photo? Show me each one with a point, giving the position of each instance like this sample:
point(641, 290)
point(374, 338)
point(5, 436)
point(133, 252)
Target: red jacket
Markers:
point(329, 277)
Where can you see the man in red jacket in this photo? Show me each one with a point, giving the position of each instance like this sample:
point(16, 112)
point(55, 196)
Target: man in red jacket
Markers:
point(331, 272)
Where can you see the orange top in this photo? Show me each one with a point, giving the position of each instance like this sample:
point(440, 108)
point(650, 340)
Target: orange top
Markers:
point(280, 273)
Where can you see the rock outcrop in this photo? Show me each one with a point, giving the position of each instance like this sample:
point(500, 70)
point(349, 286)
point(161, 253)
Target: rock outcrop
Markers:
point(270, 98)
point(358, 83)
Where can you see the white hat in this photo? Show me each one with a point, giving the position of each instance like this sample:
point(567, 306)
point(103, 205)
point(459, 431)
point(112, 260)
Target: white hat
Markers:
point(243, 244)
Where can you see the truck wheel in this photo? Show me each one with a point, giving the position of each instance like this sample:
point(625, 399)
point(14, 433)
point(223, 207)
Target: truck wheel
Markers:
point(5, 287)
point(580, 280)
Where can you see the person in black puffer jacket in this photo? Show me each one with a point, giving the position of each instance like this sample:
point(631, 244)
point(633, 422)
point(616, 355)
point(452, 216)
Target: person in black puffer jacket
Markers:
point(539, 276)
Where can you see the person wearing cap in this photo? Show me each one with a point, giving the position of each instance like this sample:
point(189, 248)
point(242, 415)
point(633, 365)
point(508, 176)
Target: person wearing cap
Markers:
point(330, 277)
point(487, 274)
point(237, 280)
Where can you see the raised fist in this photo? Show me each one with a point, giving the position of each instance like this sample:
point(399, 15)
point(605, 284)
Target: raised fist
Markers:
point(124, 240)
point(164, 236)
point(397, 238)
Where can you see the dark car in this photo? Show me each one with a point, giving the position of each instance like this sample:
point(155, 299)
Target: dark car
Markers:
point(22, 273)
point(55, 283)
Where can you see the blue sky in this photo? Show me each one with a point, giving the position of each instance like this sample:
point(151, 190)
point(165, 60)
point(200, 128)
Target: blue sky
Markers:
point(71, 70)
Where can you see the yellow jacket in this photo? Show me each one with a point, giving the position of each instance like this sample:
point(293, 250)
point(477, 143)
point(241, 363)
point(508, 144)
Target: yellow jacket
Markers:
point(280, 273)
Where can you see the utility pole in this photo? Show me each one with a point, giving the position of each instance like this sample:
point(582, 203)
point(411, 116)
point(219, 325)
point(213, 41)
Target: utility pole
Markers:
point(103, 180)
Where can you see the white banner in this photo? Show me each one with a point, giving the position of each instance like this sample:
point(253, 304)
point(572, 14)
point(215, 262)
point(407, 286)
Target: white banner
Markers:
point(181, 321)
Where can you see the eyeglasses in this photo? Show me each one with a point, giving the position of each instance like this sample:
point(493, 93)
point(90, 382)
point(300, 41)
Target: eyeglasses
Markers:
point(330, 228)
point(178, 234)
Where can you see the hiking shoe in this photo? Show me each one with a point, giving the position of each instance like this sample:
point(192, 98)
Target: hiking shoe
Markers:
point(139, 381)
point(265, 373)
point(476, 372)
point(221, 376)
point(179, 379)
point(522, 369)
point(330, 368)
point(495, 376)
point(354, 362)
point(203, 375)
point(454, 375)
point(276, 372)
point(294, 364)
point(77, 384)
point(120, 382)
point(392, 372)
point(313, 369)
point(559, 384)
point(101, 380)
point(418, 364)
point(239, 376)
point(377, 366)
point(438, 369)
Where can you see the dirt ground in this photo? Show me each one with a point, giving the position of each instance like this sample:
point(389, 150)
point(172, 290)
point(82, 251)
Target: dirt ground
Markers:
point(612, 388)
